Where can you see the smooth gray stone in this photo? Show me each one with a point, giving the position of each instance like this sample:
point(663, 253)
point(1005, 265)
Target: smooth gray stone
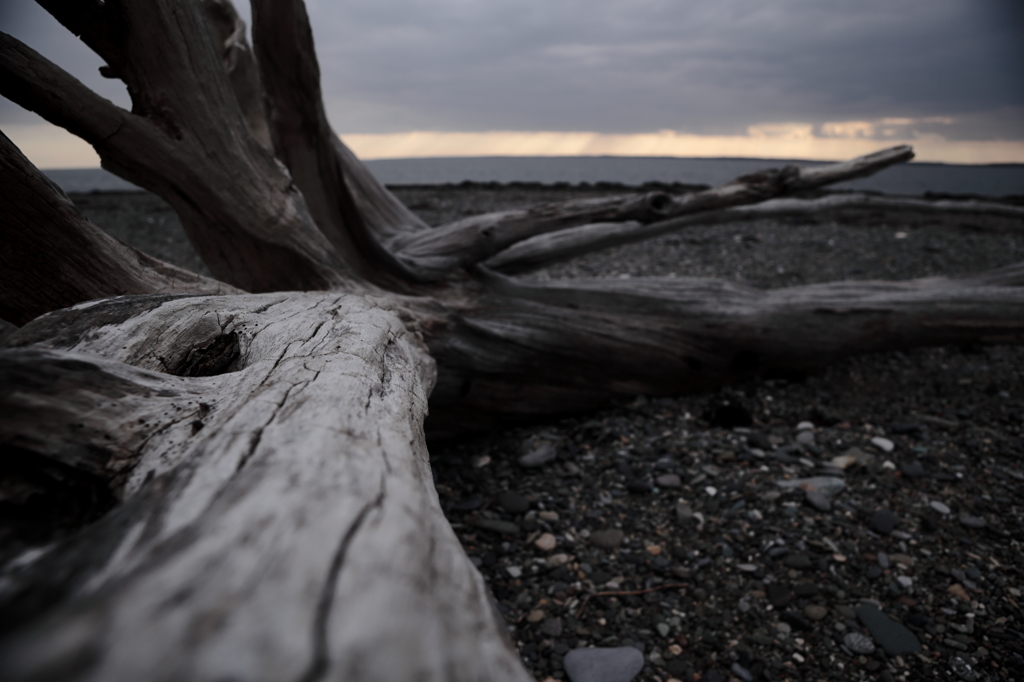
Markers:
point(541, 455)
point(607, 539)
point(620, 664)
point(890, 635)
point(971, 521)
point(858, 643)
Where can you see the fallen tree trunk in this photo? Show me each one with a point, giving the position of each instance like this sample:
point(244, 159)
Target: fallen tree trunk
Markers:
point(245, 479)
point(279, 518)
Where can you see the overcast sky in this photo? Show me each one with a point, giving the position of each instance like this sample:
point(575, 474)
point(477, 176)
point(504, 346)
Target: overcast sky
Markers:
point(935, 71)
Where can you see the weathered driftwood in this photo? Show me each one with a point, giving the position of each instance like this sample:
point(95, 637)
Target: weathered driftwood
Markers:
point(257, 462)
point(571, 242)
point(466, 242)
point(280, 520)
point(54, 258)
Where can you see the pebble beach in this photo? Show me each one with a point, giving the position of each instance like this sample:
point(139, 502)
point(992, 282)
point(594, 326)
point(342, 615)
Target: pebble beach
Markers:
point(863, 523)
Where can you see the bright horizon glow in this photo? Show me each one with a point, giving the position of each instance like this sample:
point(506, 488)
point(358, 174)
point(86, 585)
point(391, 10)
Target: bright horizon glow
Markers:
point(50, 147)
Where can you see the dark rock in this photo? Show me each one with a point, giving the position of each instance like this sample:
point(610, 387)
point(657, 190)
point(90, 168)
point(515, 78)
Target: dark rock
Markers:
point(638, 487)
point(819, 500)
point(896, 639)
point(513, 502)
point(796, 620)
point(728, 416)
point(806, 590)
point(778, 594)
point(798, 561)
point(913, 469)
point(498, 526)
point(552, 627)
point(971, 521)
point(471, 503)
point(883, 522)
point(620, 664)
point(759, 441)
point(607, 539)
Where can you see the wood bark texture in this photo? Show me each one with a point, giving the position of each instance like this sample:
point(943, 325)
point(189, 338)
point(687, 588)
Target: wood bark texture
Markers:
point(278, 519)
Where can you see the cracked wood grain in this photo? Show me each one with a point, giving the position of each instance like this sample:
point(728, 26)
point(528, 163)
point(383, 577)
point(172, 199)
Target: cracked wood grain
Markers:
point(296, 535)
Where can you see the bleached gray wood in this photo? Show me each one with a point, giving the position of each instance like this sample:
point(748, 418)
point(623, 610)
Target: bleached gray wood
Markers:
point(279, 521)
point(433, 254)
point(531, 348)
point(576, 241)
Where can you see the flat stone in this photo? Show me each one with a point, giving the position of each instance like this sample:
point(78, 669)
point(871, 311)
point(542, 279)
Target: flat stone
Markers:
point(619, 664)
point(896, 639)
point(883, 444)
point(799, 561)
point(498, 526)
point(859, 643)
point(815, 611)
point(513, 502)
point(913, 469)
point(971, 521)
point(883, 522)
point(939, 507)
point(610, 538)
point(819, 501)
point(539, 456)
point(805, 426)
point(826, 485)
point(668, 481)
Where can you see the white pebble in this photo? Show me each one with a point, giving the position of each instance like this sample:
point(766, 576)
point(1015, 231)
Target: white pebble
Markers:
point(711, 490)
point(513, 571)
point(939, 507)
point(883, 444)
point(805, 426)
point(905, 581)
point(888, 465)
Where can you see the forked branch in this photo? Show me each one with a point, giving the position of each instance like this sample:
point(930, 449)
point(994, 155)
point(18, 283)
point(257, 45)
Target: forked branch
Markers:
point(435, 253)
point(544, 249)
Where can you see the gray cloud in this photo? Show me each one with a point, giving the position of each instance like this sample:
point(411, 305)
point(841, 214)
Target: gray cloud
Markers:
point(620, 66)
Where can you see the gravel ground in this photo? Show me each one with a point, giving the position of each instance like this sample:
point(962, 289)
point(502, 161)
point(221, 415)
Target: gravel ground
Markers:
point(863, 523)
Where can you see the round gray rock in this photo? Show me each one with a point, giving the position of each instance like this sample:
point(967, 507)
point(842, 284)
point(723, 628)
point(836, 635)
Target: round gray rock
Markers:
point(619, 664)
point(859, 643)
point(539, 456)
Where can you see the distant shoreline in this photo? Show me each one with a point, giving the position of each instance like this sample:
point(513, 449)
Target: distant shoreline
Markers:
point(993, 180)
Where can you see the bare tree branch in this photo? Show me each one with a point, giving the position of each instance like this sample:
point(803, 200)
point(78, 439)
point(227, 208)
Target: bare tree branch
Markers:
point(543, 249)
point(436, 252)
point(51, 257)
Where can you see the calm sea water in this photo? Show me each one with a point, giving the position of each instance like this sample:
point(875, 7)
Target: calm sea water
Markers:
point(912, 178)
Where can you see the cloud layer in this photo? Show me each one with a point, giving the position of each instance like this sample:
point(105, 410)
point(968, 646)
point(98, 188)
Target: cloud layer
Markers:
point(625, 69)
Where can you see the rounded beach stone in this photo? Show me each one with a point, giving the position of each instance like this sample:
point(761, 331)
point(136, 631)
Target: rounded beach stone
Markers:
point(619, 664)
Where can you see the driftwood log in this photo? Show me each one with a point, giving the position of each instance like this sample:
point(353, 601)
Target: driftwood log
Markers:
point(212, 479)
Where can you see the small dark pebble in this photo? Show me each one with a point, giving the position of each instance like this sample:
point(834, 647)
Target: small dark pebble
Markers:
point(883, 522)
point(513, 502)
